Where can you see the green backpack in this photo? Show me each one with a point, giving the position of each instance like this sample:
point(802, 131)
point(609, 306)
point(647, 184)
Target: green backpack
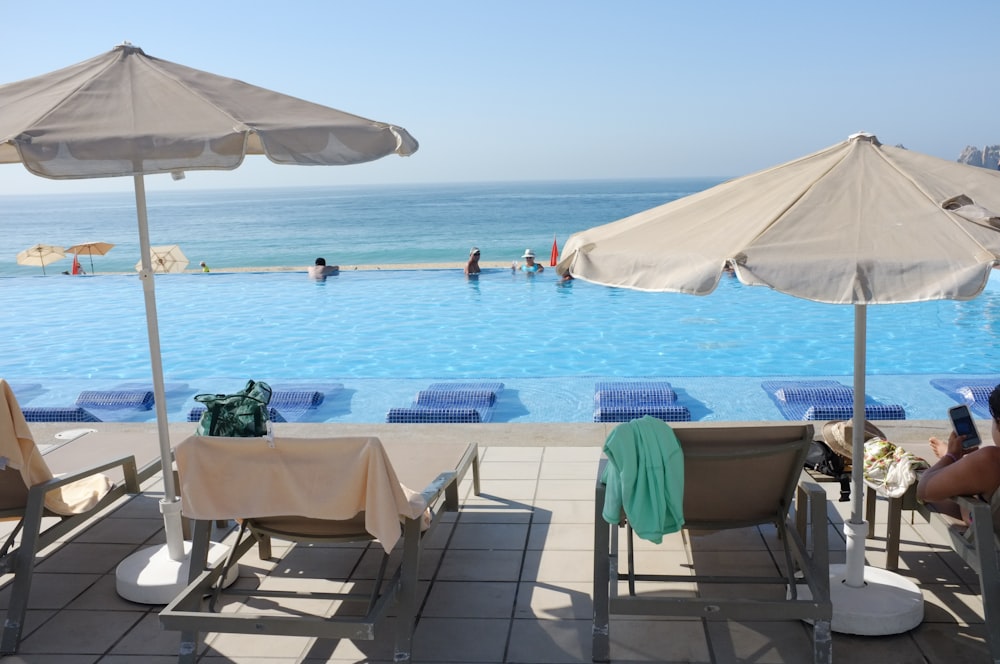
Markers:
point(240, 415)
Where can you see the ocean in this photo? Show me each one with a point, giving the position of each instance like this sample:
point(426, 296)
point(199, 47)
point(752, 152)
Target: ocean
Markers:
point(349, 225)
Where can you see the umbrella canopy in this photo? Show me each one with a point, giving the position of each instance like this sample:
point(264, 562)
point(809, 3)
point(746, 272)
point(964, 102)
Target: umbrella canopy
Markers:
point(90, 249)
point(40, 254)
point(857, 223)
point(168, 258)
point(126, 113)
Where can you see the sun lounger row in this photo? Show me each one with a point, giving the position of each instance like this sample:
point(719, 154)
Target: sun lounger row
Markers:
point(471, 402)
point(467, 402)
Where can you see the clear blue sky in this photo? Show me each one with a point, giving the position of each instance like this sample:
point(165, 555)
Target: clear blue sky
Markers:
point(538, 90)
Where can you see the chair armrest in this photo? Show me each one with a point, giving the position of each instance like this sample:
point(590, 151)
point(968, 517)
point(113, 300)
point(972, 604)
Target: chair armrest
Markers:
point(972, 503)
point(127, 464)
point(438, 486)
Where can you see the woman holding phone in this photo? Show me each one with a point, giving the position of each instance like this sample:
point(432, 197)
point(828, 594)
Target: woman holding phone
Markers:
point(964, 471)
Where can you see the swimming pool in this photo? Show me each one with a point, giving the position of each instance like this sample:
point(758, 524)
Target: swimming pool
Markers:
point(383, 335)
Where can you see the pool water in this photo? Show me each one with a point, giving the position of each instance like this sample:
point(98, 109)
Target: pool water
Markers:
point(383, 335)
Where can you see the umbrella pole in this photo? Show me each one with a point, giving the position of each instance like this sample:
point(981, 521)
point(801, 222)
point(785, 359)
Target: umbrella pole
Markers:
point(867, 600)
point(156, 575)
point(169, 506)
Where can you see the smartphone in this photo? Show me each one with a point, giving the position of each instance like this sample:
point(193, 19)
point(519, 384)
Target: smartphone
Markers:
point(961, 419)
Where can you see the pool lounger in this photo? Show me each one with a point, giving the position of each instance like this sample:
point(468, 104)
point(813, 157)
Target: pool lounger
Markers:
point(466, 402)
point(824, 400)
point(116, 399)
point(973, 392)
point(58, 414)
point(622, 401)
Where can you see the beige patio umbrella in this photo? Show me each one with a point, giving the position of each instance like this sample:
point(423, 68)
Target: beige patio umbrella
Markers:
point(124, 113)
point(164, 259)
point(90, 249)
point(40, 254)
point(858, 223)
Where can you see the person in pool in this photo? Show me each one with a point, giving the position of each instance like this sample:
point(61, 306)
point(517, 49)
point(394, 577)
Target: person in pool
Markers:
point(963, 472)
point(321, 270)
point(472, 267)
point(529, 262)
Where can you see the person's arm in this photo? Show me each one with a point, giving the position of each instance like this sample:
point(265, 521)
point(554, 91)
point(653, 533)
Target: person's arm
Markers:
point(956, 475)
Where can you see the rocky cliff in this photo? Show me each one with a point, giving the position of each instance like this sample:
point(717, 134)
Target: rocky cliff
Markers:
point(988, 157)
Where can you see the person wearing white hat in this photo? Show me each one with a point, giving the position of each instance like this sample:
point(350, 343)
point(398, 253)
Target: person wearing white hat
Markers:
point(530, 265)
point(472, 267)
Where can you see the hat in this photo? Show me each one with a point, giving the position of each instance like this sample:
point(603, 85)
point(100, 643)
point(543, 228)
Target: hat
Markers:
point(474, 250)
point(840, 436)
point(528, 253)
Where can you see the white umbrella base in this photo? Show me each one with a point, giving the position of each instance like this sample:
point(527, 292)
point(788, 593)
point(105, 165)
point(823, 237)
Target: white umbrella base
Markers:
point(887, 603)
point(150, 576)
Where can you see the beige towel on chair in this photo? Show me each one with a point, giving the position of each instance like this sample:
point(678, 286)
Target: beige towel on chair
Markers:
point(320, 478)
point(18, 450)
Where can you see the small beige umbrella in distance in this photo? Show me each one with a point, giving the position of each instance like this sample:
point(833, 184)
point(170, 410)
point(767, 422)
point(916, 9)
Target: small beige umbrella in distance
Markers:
point(41, 254)
point(166, 258)
point(90, 249)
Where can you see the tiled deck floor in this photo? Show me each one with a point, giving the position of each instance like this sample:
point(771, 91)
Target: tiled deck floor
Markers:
point(508, 580)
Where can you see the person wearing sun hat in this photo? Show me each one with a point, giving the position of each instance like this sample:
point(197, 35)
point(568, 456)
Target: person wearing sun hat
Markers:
point(530, 265)
point(472, 267)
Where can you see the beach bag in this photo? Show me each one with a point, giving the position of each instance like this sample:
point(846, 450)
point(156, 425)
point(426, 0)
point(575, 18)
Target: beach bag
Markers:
point(239, 415)
point(822, 459)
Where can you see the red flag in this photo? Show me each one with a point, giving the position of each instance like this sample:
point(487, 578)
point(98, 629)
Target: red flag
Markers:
point(76, 264)
point(554, 258)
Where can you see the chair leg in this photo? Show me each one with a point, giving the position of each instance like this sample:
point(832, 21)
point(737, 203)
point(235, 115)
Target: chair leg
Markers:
point(603, 559)
point(822, 642)
point(188, 649)
point(407, 611)
point(24, 567)
point(989, 578)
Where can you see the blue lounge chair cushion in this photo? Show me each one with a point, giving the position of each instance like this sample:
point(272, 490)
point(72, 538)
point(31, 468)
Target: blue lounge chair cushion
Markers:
point(46, 414)
point(282, 399)
point(973, 392)
point(625, 393)
point(432, 415)
point(488, 386)
point(841, 412)
point(452, 398)
point(625, 413)
point(824, 400)
point(839, 395)
point(116, 399)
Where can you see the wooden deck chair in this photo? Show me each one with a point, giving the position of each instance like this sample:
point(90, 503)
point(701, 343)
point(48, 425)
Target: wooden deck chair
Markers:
point(304, 491)
point(734, 477)
point(29, 493)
